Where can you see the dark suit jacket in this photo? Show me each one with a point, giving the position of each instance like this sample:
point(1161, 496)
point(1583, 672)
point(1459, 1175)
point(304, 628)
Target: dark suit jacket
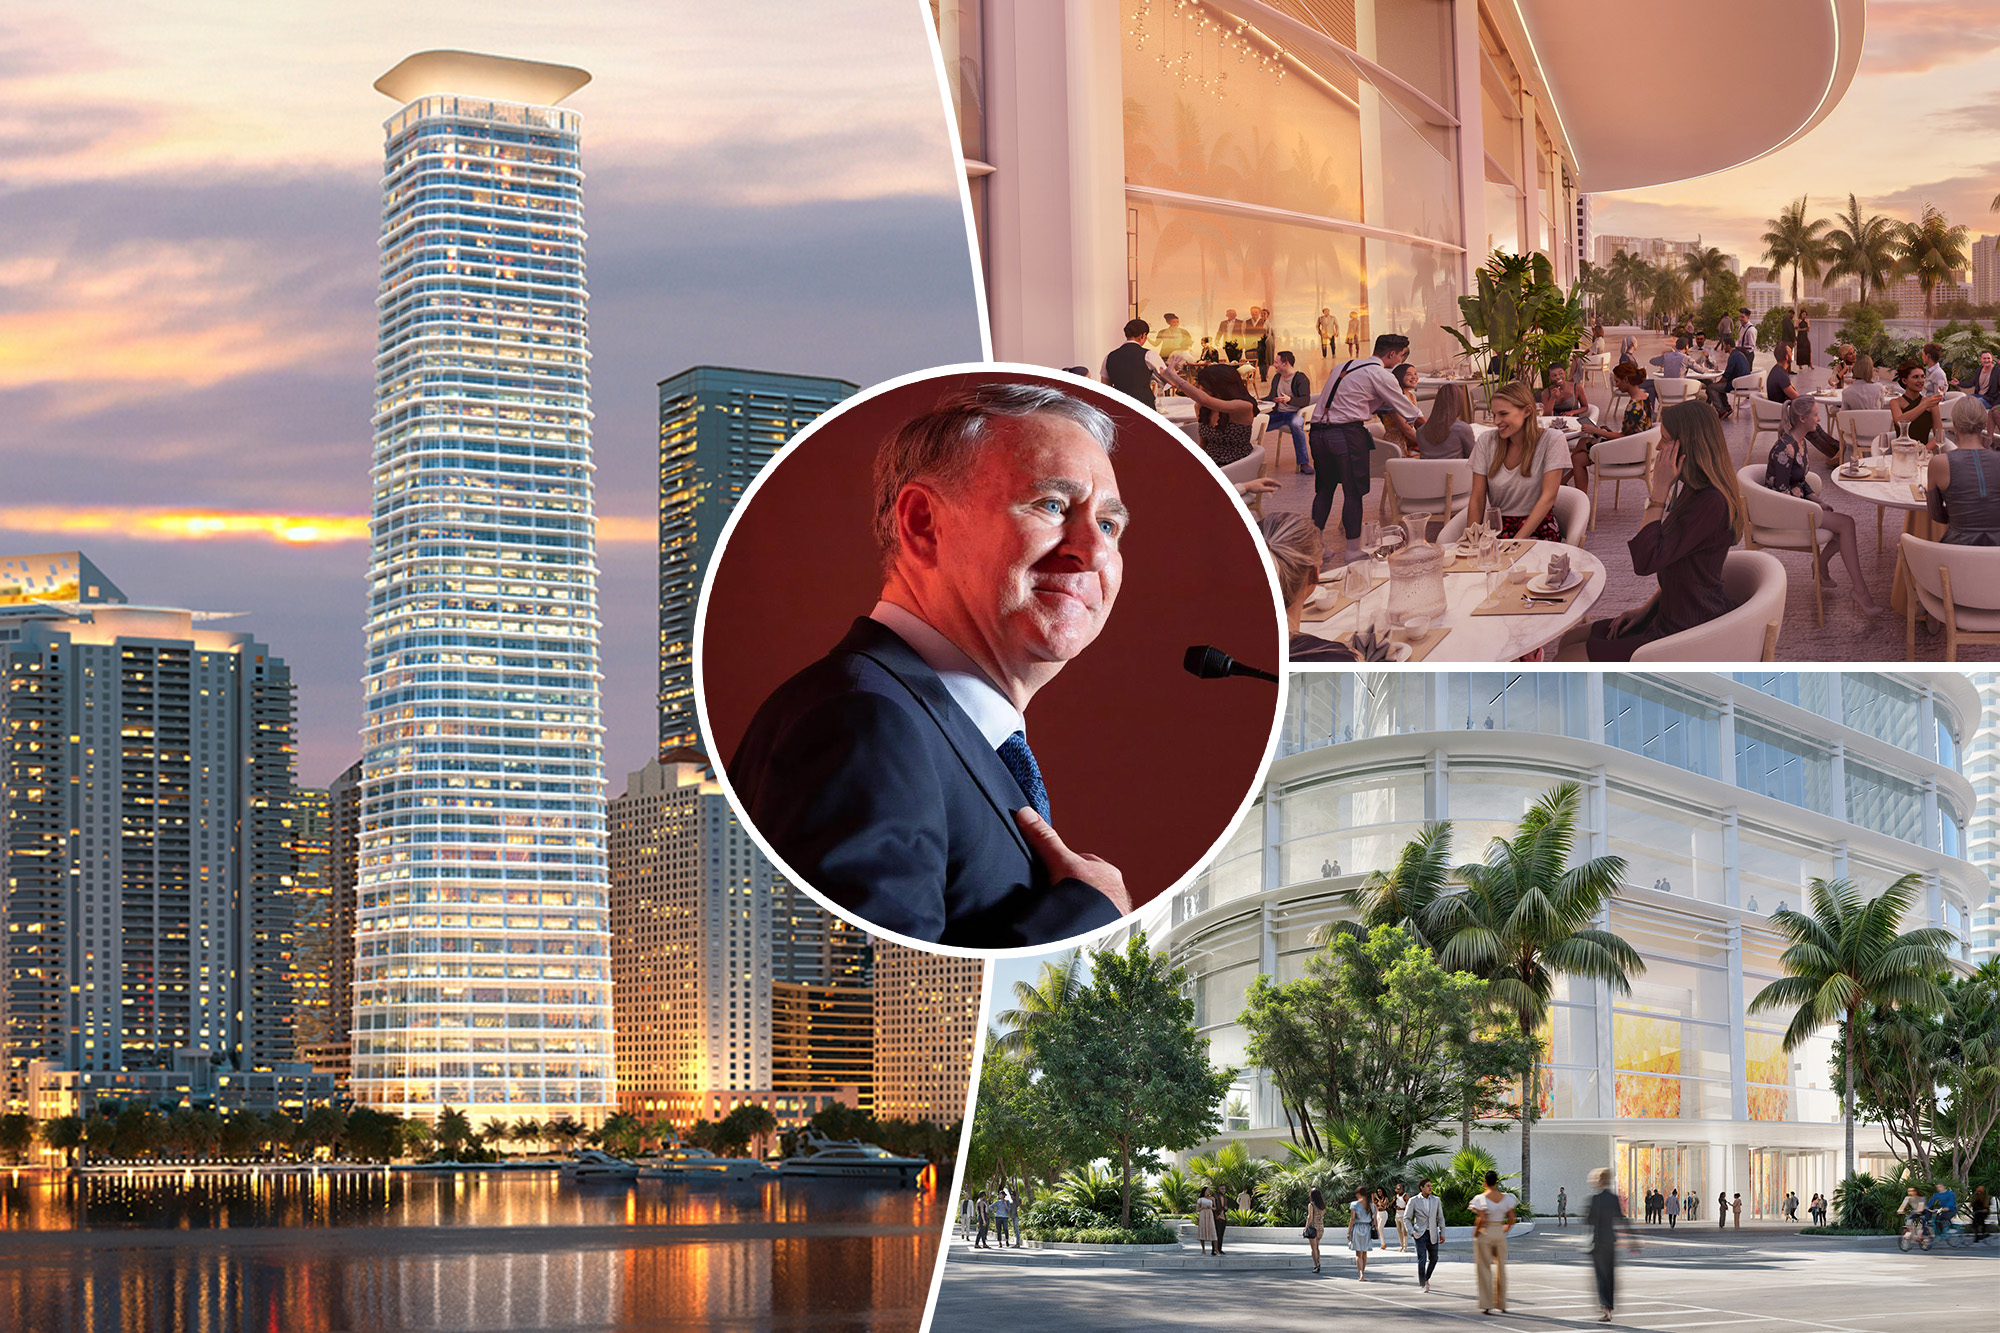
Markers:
point(873, 784)
point(1989, 392)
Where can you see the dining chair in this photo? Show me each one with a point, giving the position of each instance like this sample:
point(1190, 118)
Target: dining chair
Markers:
point(1781, 522)
point(1957, 586)
point(1627, 458)
point(1755, 583)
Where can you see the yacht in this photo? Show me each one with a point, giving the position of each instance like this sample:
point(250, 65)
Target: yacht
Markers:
point(590, 1164)
point(682, 1160)
point(849, 1159)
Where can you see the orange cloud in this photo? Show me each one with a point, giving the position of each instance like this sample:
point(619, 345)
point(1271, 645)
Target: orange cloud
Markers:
point(209, 525)
point(1911, 37)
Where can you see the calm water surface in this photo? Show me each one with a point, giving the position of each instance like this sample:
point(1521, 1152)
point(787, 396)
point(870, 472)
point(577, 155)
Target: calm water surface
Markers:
point(458, 1251)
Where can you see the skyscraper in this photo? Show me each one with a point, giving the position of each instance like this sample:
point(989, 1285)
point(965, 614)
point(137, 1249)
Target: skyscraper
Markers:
point(703, 931)
point(311, 892)
point(718, 427)
point(926, 1024)
point(1982, 834)
point(145, 780)
point(482, 969)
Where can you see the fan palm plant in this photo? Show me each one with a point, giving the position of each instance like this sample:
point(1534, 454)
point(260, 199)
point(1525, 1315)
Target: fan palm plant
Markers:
point(1845, 955)
point(1794, 240)
point(1231, 1169)
point(1930, 249)
point(1526, 916)
point(1862, 248)
point(1174, 1192)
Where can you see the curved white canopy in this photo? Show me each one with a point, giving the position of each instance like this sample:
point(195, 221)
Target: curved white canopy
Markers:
point(469, 74)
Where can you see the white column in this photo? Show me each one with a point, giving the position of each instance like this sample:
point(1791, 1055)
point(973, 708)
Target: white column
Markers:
point(1732, 864)
point(1836, 782)
point(1437, 786)
point(1840, 859)
point(1380, 318)
point(1056, 292)
point(1725, 744)
point(1529, 209)
point(1471, 139)
point(1739, 1090)
point(1593, 707)
point(1927, 745)
point(1273, 865)
point(1932, 838)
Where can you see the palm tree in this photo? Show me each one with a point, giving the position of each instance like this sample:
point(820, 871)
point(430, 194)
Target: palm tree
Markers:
point(453, 1129)
point(1402, 894)
point(1930, 249)
point(1061, 981)
point(1671, 290)
point(1795, 239)
point(1862, 248)
point(1634, 278)
point(1231, 1169)
point(1846, 956)
point(1524, 917)
point(1703, 264)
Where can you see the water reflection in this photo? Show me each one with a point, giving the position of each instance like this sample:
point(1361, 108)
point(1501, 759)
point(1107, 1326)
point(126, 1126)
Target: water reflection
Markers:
point(458, 1251)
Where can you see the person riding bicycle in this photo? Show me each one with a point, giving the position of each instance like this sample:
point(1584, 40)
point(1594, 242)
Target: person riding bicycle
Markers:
point(1915, 1210)
point(1943, 1207)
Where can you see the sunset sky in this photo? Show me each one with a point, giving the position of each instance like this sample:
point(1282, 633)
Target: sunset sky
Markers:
point(191, 198)
point(1911, 129)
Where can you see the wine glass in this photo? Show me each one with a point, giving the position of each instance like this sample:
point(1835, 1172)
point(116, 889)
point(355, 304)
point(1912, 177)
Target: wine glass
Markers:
point(1387, 540)
point(1371, 537)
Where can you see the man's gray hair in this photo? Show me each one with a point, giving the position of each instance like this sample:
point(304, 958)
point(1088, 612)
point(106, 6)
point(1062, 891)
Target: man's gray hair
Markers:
point(941, 446)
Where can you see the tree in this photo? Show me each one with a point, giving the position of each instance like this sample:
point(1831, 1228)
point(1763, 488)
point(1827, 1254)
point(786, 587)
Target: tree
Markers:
point(1862, 248)
point(1795, 240)
point(619, 1134)
point(322, 1128)
point(564, 1131)
point(1009, 1139)
point(1931, 250)
point(1525, 916)
point(17, 1135)
point(1124, 1074)
point(65, 1135)
point(742, 1126)
point(1229, 1171)
point(1060, 980)
point(1704, 264)
point(375, 1136)
point(1379, 1041)
point(1632, 277)
point(452, 1131)
point(1723, 296)
point(1845, 955)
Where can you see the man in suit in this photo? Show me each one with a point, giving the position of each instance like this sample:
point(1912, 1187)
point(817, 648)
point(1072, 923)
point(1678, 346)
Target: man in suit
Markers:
point(1985, 382)
point(1131, 366)
point(894, 775)
point(1229, 334)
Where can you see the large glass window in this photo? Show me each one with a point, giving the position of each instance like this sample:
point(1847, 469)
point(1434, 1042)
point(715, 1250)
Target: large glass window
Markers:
point(1808, 690)
point(1776, 764)
point(1660, 723)
point(1890, 805)
point(1385, 704)
point(1238, 869)
point(1774, 869)
point(1548, 702)
point(1666, 847)
point(1885, 709)
point(1350, 826)
point(1947, 744)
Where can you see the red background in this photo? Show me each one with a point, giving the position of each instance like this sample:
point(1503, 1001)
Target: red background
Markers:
point(1146, 764)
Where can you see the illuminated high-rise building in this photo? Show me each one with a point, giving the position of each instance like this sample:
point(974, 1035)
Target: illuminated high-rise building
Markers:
point(145, 853)
point(926, 1026)
point(718, 427)
point(481, 974)
point(311, 892)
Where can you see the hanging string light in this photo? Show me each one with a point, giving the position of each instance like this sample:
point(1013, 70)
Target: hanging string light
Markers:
point(1229, 36)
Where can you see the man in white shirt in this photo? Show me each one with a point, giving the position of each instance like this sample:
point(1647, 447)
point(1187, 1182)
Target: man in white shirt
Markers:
point(1935, 380)
point(1329, 330)
point(1425, 1218)
point(1746, 334)
point(1355, 391)
point(1985, 382)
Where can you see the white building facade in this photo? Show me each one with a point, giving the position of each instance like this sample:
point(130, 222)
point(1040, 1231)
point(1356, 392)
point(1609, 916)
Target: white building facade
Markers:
point(1725, 795)
point(482, 967)
point(1982, 768)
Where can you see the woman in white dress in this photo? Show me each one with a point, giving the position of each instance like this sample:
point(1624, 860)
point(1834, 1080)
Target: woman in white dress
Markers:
point(1360, 1223)
point(1204, 1227)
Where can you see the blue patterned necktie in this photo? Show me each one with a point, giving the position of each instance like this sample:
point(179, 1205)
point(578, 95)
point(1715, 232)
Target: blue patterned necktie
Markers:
point(1020, 761)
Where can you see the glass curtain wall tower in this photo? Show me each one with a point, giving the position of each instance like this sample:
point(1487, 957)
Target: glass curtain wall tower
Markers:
point(481, 971)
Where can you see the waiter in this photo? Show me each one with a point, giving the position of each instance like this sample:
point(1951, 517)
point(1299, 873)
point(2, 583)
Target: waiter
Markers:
point(1355, 391)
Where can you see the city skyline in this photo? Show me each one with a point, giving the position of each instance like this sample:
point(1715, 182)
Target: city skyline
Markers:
point(186, 355)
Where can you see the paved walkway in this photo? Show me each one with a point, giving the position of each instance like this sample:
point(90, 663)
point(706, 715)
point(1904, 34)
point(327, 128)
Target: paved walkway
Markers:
point(1761, 1279)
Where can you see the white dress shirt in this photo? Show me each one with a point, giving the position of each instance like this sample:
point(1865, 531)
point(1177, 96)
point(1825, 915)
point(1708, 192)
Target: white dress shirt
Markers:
point(990, 710)
point(1365, 389)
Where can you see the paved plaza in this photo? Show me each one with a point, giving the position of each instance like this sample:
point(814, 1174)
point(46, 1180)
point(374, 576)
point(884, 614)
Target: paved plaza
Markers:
point(1757, 1280)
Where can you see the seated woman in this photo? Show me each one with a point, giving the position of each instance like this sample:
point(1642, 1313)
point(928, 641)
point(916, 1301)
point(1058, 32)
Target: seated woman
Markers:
point(1861, 393)
point(1640, 414)
point(1296, 545)
point(1517, 470)
point(1786, 472)
point(1628, 351)
point(1394, 428)
point(1565, 396)
point(1964, 489)
point(1914, 406)
point(1694, 514)
point(1447, 432)
point(1227, 410)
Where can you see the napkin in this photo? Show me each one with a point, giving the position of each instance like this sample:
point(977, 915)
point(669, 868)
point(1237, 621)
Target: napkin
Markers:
point(1369, 646)
point(1558, 569)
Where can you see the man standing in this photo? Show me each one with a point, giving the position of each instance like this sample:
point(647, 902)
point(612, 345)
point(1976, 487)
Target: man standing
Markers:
point(1355, 391)
point(1289, 393)
point(1173, 338)
point(1935, 380)
point(1131, 366)
point(1329, 331)
point(1725, 332)
point(1354, 333)
point(894, 775)
point(1003, 1214)
point(1229, 334)
point(1606, 1220)
point(1562, 1207)
point(1426, 1223)
point(1736, 1210)
point(1673, 1208)
point(1746, 335)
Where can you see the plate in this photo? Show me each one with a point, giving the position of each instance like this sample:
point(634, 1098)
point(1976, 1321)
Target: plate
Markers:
point(1540, 583)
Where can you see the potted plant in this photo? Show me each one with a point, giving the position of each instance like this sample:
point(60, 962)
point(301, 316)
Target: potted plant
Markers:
point(1519, 320)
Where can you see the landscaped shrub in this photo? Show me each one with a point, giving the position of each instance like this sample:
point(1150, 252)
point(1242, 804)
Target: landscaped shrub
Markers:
point(1237, 1217)
point(1151, 1233)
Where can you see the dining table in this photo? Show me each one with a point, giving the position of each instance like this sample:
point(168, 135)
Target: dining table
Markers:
point(1886, 492)
point(1470, 634)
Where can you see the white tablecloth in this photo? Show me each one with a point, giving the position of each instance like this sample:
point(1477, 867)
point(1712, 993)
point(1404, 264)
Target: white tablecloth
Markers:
point(1481, 638)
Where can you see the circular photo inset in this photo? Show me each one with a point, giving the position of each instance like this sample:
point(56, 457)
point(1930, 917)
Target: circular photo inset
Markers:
point(989, 657)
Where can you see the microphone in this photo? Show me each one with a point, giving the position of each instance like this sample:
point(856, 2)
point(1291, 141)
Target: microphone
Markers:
point(1211, 663)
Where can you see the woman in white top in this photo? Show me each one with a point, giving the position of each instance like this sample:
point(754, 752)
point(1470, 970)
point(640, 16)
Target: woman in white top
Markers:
point(1399, 1209)
point(1517, 470)
point(1492, 1214)
point(1360, 1222)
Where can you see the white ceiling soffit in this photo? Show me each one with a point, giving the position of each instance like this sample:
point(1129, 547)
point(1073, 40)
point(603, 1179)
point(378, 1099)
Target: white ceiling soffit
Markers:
point(1641, 89)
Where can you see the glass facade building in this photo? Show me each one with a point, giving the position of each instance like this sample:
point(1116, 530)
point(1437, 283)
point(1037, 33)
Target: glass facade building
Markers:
point(1982, 767)
point(718, 427)
point(481, 968)
point(1724, 795)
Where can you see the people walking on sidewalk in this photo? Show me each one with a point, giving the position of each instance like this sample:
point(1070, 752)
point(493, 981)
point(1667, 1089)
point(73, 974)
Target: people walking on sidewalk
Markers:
point(1204, 1227)
point(1003, 1218)
point(1360, 1230)
point(982, 1218)
point(1492, 1214)
point(1562, 1207)
point(1792, 1205)
point(1673, 1208)
point(1315, 1223)
point(1399, 1205)
point(1425, 1218)
point(1605, 1220)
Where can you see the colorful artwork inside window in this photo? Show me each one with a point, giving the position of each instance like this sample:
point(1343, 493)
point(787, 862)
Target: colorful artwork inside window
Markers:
point(1767, 1062)
point(1645, 1048)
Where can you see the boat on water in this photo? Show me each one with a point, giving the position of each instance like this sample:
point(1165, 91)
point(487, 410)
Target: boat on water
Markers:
point(684, 1161)
point(590, 1165)
point(849, 1159)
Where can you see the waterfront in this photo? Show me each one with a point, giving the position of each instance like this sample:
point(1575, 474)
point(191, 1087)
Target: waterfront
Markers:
point(458, 1250)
